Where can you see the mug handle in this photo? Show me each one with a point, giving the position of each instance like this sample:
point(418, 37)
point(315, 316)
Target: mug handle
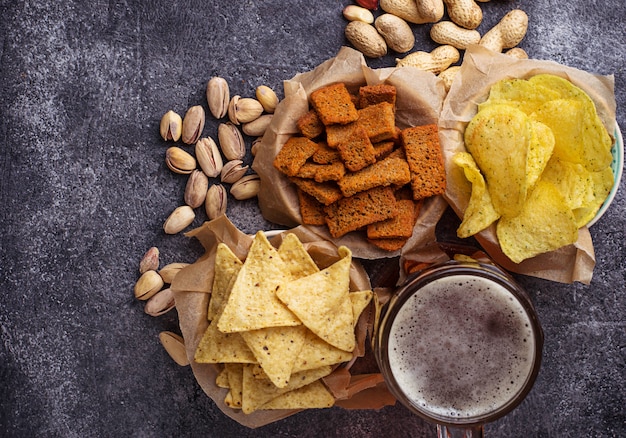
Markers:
point(454, 432)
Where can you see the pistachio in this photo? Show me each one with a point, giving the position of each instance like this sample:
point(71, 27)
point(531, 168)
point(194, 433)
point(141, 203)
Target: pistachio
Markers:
point(209, 157)
point(193, 124)
point(216, 201)
point(246, 188)
point(150, 260)
point(171, 126)
point(175, 347)
point(244, 109)
point(195, 191)
point(160, 303)
point(169, 271)
point(148, 284)
point(255, 146)
point(257, 127)
point(218, 96)
point(180, 219)
point(179, 161)
point(267, 97)
point(233, 171)
point(231, 141)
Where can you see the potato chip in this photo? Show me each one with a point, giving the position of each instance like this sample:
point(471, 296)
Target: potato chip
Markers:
point(257, 392)
point(321, 302)
point(276, 350)
point(545, 224)
point(480, 212)
point(316, 353)
point(498, 138)
point(540, 151)
point(235, 382)
point(312, 396)
point(252, 303)
point(524, 95)
point(299, 262)
point(218, 347)
point(227, 266)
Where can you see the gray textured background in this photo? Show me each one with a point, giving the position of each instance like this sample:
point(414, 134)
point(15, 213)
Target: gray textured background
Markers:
point(84, 191)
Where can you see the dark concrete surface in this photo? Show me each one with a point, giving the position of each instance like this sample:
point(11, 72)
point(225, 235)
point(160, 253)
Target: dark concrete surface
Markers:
point(84, 192)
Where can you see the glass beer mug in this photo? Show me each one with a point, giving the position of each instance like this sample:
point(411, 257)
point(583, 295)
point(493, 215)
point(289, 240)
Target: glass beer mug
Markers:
point(460, 345)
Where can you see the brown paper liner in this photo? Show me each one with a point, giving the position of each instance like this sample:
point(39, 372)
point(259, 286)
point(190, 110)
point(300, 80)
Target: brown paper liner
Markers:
point(192, 290)
point(481, 69)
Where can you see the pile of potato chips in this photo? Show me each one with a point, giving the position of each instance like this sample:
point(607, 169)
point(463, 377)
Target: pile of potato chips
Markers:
point(539, 163)
point(278, 324)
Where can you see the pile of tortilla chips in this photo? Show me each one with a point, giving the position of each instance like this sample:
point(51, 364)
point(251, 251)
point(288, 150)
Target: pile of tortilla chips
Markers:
point(278, 324)
point(539, 162)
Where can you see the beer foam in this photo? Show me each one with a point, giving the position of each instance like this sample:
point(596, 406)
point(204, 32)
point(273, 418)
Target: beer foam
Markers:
point(462, 346)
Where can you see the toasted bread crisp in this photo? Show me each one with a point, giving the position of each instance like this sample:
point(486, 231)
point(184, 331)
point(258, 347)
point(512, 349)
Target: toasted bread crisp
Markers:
point(310, 125)
point(364, 208)
point(325, 193)
point(379, 121)
point(325, 154)
point(357, 152)
point(383, 148)
point(322, 172)
point(374, 94)
point(400, 226)
point(334, 104)
point(392, 244)
point(390, 171)
point(336, 134)
point(421, 145)
point(294, 154)
point(311, 210)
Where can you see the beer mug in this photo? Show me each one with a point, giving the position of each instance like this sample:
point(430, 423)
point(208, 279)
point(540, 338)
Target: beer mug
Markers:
point(459, 344)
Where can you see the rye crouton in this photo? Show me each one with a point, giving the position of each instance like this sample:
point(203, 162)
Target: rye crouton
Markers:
point(360, 210)
point(373, 94)
point(379, 121)
point(390, 171)
point(357, 152)
point(310, 125)
point(334, 104)
point(393, 244)
point(325, 193)
point(322, 172)
point(311, 210)
point(294, 154)
point(400, 226)
point(325, 154)
point(423, 153)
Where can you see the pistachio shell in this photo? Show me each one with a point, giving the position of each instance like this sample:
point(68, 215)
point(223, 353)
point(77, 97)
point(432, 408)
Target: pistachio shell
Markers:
point(257, 127)
point(160, 303)
point(148, 284)
point(179, 219)
point(193, 124)
point(233, 171)
point(218, 96)
point(231, 141)
point(209, 157)
point(169, 271)
point(175, 347)
point(150, 260)
point(267, 97)
point(246, 188)
point(216, 201)
point(195, 191)
point(171, 126)
point(179, 161)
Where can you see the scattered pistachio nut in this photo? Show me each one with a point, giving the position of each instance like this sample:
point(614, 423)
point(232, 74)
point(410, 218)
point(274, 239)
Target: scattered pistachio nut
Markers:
point(218, 96)
point(244, 110)
point(169, 271)
point(150, 260)
point(246, 188)
point(231, 141)
point(179, 219)
point(171, 126)
point(179, 161)
point(255, 146)
point(257, 127)
point(175, 347)
point(267, 97)
point(209, 157)
point(160, 303)
point(193, 124)
point(216, 201)
point(148, 284)
point(195, 191)
point(233, 171)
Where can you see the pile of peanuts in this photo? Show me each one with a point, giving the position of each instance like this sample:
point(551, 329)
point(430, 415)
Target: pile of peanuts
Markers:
point(392, 30)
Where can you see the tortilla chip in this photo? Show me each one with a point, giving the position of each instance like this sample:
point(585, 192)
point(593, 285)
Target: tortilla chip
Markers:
point(276, 350)
point(257, 392)
point(299, 262)
point(312, 396)
point(235, 381)
point(252, 303)
point(359, 301)
point(221, 381)
point(316, 353)
point(325, 309)
point(218, 347)
point(227, 266)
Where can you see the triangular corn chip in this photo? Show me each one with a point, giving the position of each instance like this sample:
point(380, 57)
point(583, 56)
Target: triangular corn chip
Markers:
point(359, 301)
point(218, 347)
point(312, 396)
point(316, 353)
point(227, 266)
point(298, 260)
point(235, 380)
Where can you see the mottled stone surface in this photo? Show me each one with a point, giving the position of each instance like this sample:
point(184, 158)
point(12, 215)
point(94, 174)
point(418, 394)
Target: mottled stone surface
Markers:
point(84, 192)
